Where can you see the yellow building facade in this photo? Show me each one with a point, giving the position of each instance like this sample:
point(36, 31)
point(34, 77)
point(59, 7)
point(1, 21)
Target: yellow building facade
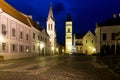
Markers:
point(68, 37)
point(86, 43)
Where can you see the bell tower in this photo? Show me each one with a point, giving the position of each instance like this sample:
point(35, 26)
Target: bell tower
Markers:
point(51, 28)
point(68, 36)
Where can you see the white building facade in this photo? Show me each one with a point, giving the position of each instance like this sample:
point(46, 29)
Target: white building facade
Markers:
point(105, 35)
point(51, 29)
point(16, 39)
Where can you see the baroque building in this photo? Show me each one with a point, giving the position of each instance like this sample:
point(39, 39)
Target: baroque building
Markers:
point(105, 35)
point(86, 43)
point(20, 36)
point(82, 43)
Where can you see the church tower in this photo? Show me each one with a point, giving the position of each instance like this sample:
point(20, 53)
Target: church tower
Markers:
point(68, 36)
point(51, 29)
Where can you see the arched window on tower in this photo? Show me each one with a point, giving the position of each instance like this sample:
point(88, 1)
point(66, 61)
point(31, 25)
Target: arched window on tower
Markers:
point(48, 26)
point(51, 27)
point(68, 29)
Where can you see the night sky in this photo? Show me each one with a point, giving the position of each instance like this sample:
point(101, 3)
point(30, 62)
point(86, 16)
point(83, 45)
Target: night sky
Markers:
point(84, 13)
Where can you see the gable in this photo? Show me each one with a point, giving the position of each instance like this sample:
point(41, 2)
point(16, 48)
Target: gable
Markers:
point(89, 34)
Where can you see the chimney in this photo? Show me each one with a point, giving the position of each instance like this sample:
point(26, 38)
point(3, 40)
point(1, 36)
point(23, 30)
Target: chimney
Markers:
point(30, 16)
point(115, 16)
point(119, 15)
point(37, 22)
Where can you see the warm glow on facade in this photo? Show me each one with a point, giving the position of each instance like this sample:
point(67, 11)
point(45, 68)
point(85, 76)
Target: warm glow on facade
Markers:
point(68, 37)
point(1, 38)
point(51, 29)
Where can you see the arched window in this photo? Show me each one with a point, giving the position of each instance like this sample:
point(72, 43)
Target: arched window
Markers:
point(13, 32)
point(51, 27)
point(68, 29)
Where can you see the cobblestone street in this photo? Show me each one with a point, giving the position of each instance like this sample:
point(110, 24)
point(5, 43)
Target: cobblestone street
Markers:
point(55, 68)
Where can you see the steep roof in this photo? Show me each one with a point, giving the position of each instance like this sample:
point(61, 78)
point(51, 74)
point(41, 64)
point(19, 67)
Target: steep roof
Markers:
point(50, 14)
point(68, 18)
point(79, 36)
point(110, 22)
point(35, 24)
point(118, 35)
point(13, 12)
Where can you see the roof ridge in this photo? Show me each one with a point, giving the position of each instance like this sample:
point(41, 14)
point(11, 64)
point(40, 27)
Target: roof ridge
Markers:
point(7, 8)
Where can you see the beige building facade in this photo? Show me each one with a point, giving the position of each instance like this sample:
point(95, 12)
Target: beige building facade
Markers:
point(86, 43)
point(105, 35)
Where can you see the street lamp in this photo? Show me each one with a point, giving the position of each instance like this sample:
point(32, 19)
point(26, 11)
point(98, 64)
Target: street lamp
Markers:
point(94, 50)
point(57, 51)
point(62, 50)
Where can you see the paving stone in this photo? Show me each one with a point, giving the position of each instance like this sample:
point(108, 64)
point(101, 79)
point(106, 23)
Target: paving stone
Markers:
point(55, 68)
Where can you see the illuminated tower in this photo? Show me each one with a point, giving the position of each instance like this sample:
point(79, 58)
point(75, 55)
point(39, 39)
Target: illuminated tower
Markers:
point(68, 37)
point(51, 29)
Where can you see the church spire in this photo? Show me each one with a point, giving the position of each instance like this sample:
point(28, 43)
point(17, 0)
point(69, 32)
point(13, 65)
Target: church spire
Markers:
point(68, 17)
point(50, 15)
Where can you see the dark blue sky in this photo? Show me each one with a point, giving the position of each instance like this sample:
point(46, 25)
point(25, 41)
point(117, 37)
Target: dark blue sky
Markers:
point(84, 13)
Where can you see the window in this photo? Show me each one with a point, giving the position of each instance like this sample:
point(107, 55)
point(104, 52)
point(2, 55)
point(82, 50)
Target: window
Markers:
point(92, 41)
point(48, 26)
point(69, 37)
point(33, 47)
point(41, 38)
point(33, 35)
point(86, 41)
point(68, 29)
point(38, 37)
point(3, 29)
point(21, 48)
point(113, 36)
point(38, 48)
point(3, 46)
point(51, 27)
point(69, 25)
point(45, 40)
point(80, 47)
point(77, 47)
point(104, 36)
point(13, 47)
point(13, 32)
point(21, 35)
point(27, 37)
